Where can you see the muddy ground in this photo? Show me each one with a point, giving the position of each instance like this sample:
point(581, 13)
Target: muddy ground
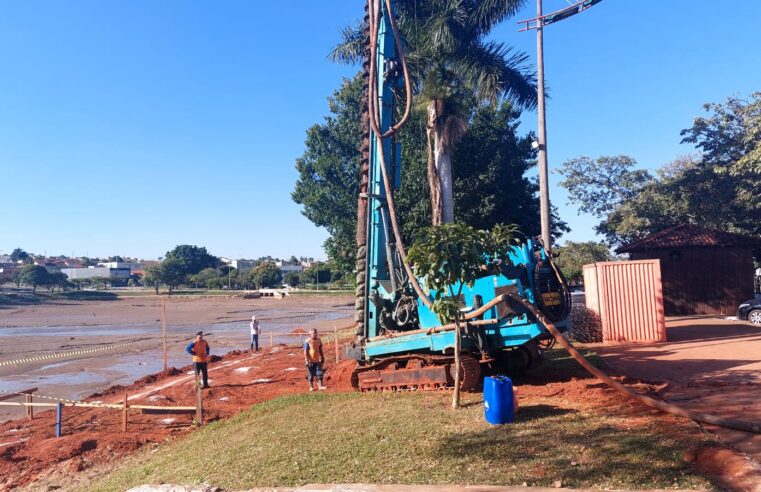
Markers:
point(130, 331)
point(31, 457)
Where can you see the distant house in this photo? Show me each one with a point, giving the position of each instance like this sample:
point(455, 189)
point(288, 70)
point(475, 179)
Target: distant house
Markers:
point(242, 265)
point(119, 264)
point(118, 277)
point(286, 267)
point(704, 271)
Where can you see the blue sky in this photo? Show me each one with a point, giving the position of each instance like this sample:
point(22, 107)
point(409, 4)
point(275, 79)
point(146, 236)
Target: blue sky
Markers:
point(129, 127)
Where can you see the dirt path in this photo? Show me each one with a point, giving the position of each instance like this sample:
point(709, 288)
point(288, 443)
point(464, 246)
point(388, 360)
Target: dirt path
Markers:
point(710, 365)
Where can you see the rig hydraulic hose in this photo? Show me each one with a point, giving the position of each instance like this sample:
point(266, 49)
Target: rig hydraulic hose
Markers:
point(646, 400)
point(374, 20)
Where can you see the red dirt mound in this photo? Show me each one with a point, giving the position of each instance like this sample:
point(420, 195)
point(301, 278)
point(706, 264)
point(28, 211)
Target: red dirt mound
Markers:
point(730, 468)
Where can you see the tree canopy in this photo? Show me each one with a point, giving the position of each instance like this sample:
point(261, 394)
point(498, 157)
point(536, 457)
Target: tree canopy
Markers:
point(572, 257)
point(193, 258)
point(490, 179)
point(266, 275)
point(33, 275)
point(19, 254)
point(718, 187)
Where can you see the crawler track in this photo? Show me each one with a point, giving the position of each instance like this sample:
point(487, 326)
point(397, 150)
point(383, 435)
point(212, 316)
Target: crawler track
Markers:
point(416, 372)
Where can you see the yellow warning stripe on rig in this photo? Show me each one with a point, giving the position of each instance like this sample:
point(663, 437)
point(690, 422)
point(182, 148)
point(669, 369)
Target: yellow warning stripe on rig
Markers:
point(73, 353)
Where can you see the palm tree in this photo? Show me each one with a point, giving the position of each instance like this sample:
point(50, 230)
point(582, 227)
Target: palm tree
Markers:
point(450, 62)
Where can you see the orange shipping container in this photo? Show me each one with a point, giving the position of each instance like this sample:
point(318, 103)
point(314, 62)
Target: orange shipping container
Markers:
point(628, 297)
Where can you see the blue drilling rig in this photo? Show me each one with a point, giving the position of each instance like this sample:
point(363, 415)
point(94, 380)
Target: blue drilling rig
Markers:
point(400, 342)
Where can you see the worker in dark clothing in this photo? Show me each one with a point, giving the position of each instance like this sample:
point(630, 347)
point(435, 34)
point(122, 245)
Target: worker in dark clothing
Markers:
point(199, 349)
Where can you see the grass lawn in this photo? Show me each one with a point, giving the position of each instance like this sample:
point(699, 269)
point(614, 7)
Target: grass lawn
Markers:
point(416, 438)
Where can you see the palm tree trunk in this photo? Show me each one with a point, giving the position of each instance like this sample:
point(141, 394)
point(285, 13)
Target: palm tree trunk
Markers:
point(433, 181)
point(440, 163)
point(444, 168)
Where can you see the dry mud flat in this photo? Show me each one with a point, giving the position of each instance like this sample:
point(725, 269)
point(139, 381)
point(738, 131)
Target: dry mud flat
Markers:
point(119, 341)
point(146, 310)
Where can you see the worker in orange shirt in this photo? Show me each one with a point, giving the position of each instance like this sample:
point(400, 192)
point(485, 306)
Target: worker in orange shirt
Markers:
point(199, 349)
point(314, 358)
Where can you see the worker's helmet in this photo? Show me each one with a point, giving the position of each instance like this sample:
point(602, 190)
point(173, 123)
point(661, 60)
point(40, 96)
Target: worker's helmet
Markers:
point(253, 318)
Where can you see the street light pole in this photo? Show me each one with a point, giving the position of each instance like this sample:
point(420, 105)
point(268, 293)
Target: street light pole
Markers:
point(538, 23)
point(544, 193)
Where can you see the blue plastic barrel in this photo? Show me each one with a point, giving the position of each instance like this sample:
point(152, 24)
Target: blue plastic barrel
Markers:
point(498, 400)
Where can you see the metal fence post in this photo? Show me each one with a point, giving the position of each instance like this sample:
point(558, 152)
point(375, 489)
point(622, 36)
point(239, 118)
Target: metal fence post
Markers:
point(58, 412)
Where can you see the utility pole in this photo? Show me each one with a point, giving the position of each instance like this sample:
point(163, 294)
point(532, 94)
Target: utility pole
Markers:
point(538, 23)
point(544, 189)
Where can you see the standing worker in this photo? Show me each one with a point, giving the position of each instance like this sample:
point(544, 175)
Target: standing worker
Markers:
point(314, 359)
point(254, 325)
point(199, 349)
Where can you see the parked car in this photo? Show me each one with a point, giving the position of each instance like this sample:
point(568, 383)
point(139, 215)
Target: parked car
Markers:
point(750, 311)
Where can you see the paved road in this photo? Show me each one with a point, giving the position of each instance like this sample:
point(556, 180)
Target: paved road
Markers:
point(712, 365)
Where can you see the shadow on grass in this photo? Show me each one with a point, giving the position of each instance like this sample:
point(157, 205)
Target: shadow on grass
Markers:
point(551, 443)
point(88, 295)
point(11, 299)
point(558, 366)
point(20, 298)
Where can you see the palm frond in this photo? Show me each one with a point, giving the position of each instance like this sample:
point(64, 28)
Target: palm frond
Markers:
point(352, 47)
point(446, 25)
point(488, 13)
point(493, 70)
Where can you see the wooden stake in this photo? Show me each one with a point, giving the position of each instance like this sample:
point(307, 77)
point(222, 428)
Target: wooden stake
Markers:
point(163, 330)
point(30, 408)
point(335, 335)
point(199, 403)
point(456, 394)
point(270, 339)
point(124, 414)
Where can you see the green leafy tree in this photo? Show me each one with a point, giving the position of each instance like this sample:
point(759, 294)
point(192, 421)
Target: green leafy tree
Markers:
point(319, 273)
point(266, 275)
point(328, 173)
point(450, 256)
point(291, 278)
point(729, 140)
point(600, 185)
point(203, 277)
point(716, 188)
point(58, 279)
point(173, 272)
point(97, 282)
point(33, 275)
point(450, 61)
point(153, 276)
point(19, 254)
point(572, 257)
point(193, 258)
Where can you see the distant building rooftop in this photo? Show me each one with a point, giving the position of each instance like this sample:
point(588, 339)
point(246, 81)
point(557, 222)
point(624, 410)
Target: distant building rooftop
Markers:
point(689, 236)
